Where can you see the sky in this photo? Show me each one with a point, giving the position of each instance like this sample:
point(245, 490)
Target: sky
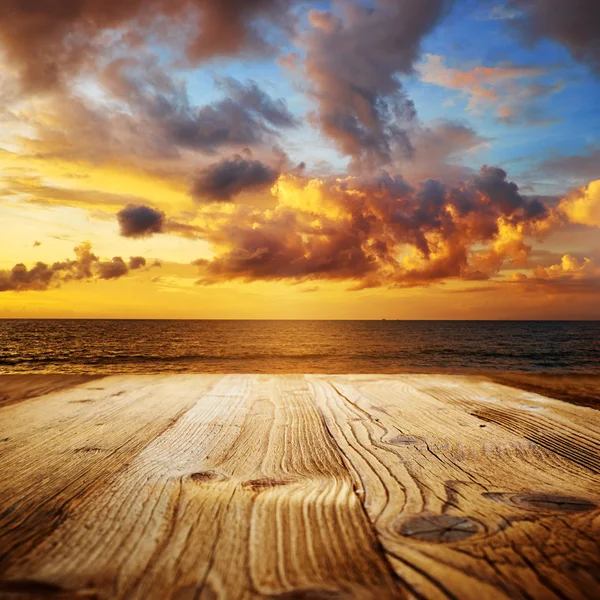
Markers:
point(272, 159)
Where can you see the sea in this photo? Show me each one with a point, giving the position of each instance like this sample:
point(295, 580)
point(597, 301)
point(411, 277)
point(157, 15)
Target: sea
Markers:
point(146, 346)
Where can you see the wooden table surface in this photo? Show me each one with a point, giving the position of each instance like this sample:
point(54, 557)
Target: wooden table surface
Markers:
point(288, 487)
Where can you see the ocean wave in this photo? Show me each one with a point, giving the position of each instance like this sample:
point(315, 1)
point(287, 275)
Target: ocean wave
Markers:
point(143, 358)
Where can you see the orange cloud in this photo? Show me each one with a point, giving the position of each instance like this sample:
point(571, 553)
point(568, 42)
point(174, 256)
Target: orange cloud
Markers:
point(569, 266)
point(86, 266)
point(375, 232)
point(509, 90)
point(570, 275)
point(582, 206)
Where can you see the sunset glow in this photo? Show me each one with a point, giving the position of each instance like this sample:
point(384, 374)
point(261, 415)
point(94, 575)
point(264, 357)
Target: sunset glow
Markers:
point(276, 159)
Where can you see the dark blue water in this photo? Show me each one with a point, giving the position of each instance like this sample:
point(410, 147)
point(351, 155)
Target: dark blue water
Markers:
point(80, 346)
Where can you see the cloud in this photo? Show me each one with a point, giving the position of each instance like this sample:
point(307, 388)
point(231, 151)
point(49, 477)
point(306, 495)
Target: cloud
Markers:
point(137, 262)
point(43, 194)
point(229, 27)
point(439, 151)
point(573, 23)
point(86, 266)
point(229, 177)
point(510, 90)
point(258, 101)
point(568, 276)
point(145, 118)
point(141, 220)
point(112, 269)
point(138, 220)
point(576, 166)
point(185, 230)
point(49, 44)
point(571, 267)
point(501, 13)
point(582, 206)
point(246, 116)
point(376, 231)
point(20, 278)
point(352, 60)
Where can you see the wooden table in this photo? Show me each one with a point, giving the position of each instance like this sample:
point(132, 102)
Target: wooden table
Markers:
point(244, 486)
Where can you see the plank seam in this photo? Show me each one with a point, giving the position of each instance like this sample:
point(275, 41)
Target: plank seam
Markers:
point(378, 548)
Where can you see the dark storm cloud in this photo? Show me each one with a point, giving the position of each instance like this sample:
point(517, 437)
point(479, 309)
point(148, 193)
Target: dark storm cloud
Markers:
point(573, 23)
point(352, 62)
point(139, 220)
point(229, 177)
point(49, 41)
point(86, 266)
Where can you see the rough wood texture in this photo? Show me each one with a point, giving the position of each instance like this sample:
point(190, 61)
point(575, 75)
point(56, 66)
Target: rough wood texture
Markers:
point(577, 389)
point(14, 388)
point(191, 486)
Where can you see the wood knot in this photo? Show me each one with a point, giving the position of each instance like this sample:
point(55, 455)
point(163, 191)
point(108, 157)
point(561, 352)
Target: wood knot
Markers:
point(439, 528)
point(205, 476)
point(92, 449)
point(258, 485)
point(542, 501)
point(401, 440)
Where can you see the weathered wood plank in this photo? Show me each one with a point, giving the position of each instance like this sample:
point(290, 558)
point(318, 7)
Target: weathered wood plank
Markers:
point(59, 448)
point(583, 390)
point(245, 495)
point(467, 508)
point(15, 388)
point(571, 432)
point(583, 418)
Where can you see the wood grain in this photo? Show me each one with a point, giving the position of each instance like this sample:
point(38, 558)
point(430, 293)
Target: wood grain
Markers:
point(14, 388)
point(464, 507)
point(244, 496)
point(59, 447)
point(583, 390)
point(240, 486)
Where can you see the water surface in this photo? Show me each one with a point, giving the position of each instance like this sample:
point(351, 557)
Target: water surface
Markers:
point(98, 346)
